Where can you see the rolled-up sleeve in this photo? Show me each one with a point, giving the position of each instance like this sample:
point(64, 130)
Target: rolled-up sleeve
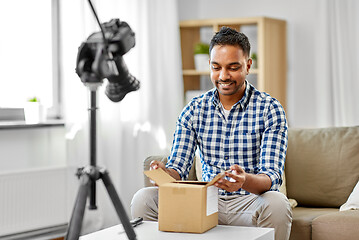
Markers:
point(184, 145)
point(274, 145)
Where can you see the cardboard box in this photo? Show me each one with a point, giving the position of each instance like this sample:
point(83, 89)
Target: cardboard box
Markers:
point(185, 206)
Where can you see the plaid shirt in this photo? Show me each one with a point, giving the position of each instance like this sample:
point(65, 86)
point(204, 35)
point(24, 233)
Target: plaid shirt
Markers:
point(254, 136)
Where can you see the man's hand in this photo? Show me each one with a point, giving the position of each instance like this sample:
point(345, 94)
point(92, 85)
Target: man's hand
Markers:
point(158, 164)
point(155, 165)
point(238, 177)
point(254, 183)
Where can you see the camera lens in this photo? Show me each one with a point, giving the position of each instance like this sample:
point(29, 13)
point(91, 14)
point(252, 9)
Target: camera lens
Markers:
point(116, 91)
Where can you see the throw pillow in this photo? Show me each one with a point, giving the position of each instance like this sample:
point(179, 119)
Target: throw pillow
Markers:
point(283, 189)
point(353, 200)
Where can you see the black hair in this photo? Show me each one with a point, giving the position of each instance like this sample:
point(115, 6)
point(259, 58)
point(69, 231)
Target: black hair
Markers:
point(229, 36)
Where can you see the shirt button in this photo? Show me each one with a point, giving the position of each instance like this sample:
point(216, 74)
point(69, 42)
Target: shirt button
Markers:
point(226, 158)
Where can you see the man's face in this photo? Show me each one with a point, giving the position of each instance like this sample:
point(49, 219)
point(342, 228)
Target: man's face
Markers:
point(229, 68)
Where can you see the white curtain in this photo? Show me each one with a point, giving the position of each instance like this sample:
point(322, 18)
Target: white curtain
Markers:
point(140, 125)
point(337, 62)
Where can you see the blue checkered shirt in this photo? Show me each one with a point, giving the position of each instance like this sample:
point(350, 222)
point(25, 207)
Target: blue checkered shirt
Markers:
point(254, 136)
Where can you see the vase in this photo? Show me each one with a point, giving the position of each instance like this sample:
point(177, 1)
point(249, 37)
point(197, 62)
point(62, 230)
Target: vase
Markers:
point(201, 62)
point(35, 112)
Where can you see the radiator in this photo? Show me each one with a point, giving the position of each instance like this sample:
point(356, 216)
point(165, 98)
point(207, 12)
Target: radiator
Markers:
point(32, 199)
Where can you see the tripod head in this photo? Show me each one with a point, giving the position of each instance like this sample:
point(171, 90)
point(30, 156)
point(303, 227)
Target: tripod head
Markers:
point(100, 56)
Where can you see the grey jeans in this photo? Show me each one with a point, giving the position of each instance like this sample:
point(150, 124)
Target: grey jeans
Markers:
point(270, 209)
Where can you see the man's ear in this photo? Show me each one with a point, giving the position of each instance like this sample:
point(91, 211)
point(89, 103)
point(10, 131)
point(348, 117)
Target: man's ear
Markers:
point(249, 64)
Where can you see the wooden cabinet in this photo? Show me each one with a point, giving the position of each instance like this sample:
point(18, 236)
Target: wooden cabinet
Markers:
point(268, 40)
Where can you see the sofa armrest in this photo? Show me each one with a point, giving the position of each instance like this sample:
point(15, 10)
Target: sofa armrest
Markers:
point(163, 158)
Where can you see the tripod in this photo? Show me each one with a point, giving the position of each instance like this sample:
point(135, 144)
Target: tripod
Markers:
point(88, 177)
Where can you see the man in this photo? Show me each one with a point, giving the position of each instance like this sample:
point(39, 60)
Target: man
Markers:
point(236, 127)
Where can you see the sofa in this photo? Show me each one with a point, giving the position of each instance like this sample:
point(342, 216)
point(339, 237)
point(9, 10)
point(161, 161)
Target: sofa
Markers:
point(321, 171)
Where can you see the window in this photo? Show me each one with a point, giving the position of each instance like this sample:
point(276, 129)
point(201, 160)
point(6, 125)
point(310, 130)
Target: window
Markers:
point(29, 53)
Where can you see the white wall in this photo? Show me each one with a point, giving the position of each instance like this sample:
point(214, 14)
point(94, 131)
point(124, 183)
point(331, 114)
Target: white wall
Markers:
point(31, 148)
point(301, 32)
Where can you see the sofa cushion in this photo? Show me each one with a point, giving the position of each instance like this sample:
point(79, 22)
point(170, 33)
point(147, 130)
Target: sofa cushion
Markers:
point(302, 221)
point(322, 165)
point(334, 226)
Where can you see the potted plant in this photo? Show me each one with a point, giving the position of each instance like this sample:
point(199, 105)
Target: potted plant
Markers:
point(201, 56)
point(34, 99)
point(254, 60)
point(34, 111)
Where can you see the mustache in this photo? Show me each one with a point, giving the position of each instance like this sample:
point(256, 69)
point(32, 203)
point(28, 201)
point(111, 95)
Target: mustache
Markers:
point(224, 81)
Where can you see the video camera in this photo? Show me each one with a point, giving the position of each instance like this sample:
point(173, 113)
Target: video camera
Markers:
point(101, 57)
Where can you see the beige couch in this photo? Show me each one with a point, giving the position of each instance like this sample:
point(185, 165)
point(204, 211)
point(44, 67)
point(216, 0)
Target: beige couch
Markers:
point(322, 168)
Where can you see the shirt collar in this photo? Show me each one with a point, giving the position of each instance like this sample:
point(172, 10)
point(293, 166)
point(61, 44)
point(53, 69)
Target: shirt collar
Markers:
point(243, 102)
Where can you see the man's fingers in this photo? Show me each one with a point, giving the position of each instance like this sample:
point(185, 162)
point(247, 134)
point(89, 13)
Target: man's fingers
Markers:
point(153, 165)
point(223, 184)
point(234, 184)
point(157, 164)
point(233, 175)
point(237, 168)
point(220, 184)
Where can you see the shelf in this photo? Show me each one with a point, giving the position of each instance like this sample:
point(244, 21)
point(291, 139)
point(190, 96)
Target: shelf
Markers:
point(193, 72)
point(23, 124)
point(269, 38)
point(222, 21)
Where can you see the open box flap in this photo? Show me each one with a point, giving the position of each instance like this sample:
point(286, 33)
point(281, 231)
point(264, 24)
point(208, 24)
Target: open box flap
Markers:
point(216, 178)
point(159, 176)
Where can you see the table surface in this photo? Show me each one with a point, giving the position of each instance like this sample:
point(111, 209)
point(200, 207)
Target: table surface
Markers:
point(149, 231)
